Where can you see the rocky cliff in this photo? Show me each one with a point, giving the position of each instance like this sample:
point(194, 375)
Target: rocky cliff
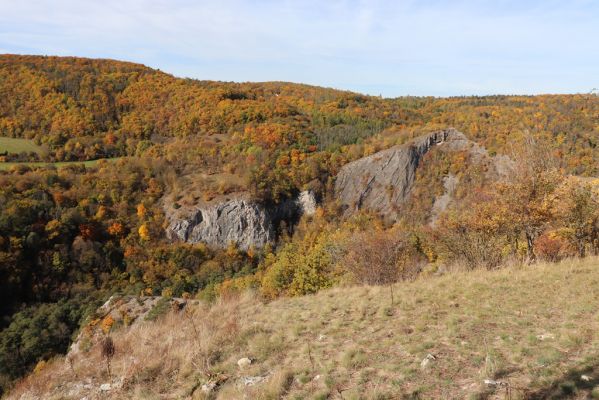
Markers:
point(383, 181)
point(239, 220)
point(380, 183)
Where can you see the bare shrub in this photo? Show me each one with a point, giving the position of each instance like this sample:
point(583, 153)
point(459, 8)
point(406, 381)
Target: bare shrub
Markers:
point(380, 258)
point(107, 350)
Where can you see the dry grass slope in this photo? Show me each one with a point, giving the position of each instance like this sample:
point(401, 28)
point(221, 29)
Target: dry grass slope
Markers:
point(532, 329)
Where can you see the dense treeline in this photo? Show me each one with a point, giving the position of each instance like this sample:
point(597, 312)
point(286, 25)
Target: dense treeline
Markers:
point(289, 135)
point(84, 109)
point(71, 236)
point(75, 230)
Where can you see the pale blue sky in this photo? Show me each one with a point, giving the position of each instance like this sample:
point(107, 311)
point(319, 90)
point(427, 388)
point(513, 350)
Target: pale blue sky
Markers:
point(393, 48)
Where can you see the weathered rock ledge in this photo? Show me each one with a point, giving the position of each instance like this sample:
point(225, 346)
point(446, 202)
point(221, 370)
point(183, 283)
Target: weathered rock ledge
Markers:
point(238, 220)
point(382, 182)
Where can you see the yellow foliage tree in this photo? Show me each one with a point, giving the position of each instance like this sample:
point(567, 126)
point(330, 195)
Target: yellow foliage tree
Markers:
point(141, 210)
point(107, 323)
point(144, 232)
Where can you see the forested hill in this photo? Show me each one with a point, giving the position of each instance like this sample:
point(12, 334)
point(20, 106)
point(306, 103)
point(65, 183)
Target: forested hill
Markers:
point(84, 109)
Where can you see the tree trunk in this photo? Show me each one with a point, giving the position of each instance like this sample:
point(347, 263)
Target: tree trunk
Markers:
point(530, 249)
point(581, 249)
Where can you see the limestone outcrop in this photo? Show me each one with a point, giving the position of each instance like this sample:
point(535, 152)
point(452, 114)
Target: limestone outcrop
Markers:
point(239, 220)
point(382, 181)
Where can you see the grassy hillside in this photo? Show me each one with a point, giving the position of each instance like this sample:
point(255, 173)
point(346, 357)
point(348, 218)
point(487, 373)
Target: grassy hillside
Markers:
point(532, 330)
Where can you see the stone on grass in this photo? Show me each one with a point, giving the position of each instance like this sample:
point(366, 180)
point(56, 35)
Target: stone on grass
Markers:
point(252, 380)
point(208, 387)
point(546, 336)
point(491, 382)
point(427, 360)
point(244, 362)
point(105, 387)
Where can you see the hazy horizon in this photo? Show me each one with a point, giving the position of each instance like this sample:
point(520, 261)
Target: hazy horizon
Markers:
point(419, 48)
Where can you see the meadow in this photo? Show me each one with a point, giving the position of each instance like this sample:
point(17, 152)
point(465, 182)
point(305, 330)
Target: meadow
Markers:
point(520, 332)
point(91, 163)
point(18, 145)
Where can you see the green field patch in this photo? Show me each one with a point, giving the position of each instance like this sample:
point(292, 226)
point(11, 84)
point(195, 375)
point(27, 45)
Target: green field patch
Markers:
point(4, 166)
point(16, 146)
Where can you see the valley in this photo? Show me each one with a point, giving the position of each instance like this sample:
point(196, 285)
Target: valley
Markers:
point(334, 239)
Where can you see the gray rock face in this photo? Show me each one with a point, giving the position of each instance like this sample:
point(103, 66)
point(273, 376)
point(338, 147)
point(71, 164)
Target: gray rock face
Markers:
point(450, 182)
point(239, 220)
point(306, 202)
point(381, 182)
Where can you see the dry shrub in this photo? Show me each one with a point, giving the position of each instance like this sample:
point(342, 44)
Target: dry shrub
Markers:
point(473, 233)
point(551, 247)
point(473, 248)
point(381, 258)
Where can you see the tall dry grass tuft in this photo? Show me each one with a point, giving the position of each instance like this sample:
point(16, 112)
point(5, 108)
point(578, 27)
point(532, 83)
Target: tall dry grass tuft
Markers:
point(107, 350)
